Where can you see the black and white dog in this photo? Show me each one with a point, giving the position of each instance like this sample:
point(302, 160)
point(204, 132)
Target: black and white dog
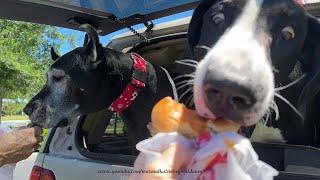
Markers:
point(91, 78)
point(257, 50)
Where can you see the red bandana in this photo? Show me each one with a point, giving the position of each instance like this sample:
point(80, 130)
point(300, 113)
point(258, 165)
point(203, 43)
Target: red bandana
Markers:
point(133, 88)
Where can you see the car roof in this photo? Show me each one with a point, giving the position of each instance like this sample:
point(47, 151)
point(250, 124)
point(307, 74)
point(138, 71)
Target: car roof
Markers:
point(101, 14)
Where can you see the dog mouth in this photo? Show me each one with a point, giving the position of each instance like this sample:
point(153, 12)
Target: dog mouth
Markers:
point(52, 119)
point(63, 123)
point(41, 121)
point(215, 113)
point(228, 100)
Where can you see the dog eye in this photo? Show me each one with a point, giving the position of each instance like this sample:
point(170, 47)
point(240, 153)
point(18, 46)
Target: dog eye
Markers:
point(57, 78)
point(218, 18)
point(287, 33)
point(56, 75)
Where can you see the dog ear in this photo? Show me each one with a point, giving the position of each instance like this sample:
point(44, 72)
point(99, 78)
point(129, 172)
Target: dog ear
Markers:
point(54, 55)
point(91, 43)
point(196, 24)
point(310, 64)
point(86, 40)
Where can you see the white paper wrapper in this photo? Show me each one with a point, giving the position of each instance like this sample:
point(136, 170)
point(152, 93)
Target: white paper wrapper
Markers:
point(153, 147)
point(6, 171)
point(226, 156)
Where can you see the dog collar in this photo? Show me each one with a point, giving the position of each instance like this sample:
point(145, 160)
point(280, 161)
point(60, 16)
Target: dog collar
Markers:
point(131, 91)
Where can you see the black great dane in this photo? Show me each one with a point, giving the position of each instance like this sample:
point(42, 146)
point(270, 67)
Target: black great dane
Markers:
point(91, 78)
point(259, 56)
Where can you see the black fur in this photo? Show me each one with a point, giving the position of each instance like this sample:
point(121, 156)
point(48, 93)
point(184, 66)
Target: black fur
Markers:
point(89, 79)
point(292, 58)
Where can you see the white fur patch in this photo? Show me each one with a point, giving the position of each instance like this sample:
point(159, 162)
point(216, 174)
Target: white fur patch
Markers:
point(262, 133)
point(240, 49)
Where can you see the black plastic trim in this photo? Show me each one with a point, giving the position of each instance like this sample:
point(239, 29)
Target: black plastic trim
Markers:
point(49, 139)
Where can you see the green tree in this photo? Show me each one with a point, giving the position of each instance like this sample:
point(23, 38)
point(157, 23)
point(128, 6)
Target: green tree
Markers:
point(25, 56)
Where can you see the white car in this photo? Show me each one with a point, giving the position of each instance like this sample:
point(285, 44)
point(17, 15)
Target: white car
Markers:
point(93, 147)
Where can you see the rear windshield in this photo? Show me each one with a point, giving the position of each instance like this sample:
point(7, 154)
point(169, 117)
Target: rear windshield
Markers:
point(125, 8)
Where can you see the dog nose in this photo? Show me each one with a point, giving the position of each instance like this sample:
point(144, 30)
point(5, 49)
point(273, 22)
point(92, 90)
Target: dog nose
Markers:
point(225, 95)
point(30, 107)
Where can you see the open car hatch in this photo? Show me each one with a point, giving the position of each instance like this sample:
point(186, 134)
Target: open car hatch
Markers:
point(100, 13)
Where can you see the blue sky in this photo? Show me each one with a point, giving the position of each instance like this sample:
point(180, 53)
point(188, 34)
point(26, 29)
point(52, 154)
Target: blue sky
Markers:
point(105, 39)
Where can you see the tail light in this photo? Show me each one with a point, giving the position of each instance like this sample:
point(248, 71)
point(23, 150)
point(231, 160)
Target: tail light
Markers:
point(39, 173)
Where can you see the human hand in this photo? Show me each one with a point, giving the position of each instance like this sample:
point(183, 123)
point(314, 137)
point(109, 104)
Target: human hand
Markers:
point(19, 145)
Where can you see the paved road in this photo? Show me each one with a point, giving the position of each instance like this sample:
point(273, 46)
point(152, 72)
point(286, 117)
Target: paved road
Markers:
point(15, 123)
point(23, 168)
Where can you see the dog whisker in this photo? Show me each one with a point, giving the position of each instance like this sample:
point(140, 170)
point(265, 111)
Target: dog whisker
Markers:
point(185, 93)
point(188, 99)
point(184, 85)
point(275, 69)
point(187, 64)
point(191, 102)
point(188, 61)
point(289, 104)
point(274, 107)
point(291, 84)
point(184, 76)
point(276, 110)
point(204, 47)
point(268, 115)
point(183, 82)
point(265, 119)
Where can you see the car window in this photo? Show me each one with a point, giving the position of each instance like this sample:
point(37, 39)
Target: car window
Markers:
point(116, 126)
point(105, 133)
point(123, 9)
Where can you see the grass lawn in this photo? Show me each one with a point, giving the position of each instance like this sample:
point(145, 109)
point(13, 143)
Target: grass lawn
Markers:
point(14, 117)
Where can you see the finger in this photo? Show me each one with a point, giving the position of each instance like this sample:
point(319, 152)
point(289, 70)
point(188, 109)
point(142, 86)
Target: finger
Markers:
point(29, 132)
point(36, 147)
point(39, 139)
point(22, 127)
point(37, 130)
point(33, 140)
